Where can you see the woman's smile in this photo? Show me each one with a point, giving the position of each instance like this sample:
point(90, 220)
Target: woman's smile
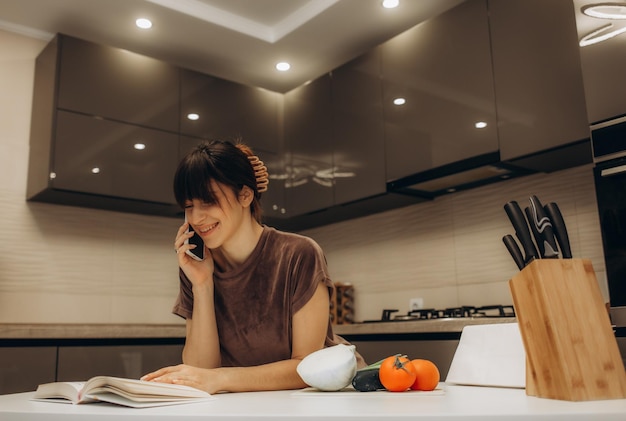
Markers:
point(207, 229)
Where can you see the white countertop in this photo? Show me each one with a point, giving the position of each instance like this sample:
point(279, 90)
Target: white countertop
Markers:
point(456, 402)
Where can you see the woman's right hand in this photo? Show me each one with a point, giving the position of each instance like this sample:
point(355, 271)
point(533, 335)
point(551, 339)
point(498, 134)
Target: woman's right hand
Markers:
point(198, 273)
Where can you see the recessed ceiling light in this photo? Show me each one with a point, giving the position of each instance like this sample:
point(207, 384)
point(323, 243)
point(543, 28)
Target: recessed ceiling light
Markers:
point(390, 4)
point(143, 23)
point(193, 116)
point(95, 170)
point(139, 146)
point(283, 66)
point(399, 101)
point(480, 125)
point(605, 10)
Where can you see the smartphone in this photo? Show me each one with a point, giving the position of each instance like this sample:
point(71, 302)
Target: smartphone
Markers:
point(198, 252)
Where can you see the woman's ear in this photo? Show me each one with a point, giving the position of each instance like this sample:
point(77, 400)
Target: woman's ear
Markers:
point(246, 195)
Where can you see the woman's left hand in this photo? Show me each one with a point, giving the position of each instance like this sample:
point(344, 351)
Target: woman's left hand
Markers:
point(199, 378)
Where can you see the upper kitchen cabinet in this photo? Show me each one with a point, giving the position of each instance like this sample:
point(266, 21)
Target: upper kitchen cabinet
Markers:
point(117, 84)
point(101, 157)
point(538, 83)
point(214, 108)
point(108, 154)
point(358, 129)
point(603, 65)
point(439, 101)
point(309, 147)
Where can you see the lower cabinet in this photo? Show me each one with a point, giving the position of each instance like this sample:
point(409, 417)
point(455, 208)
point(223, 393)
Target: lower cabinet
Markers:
point(133, 361)
point(23, 368)
point(438, 348)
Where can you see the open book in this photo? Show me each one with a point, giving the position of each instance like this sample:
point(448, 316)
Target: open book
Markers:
point(127, 392)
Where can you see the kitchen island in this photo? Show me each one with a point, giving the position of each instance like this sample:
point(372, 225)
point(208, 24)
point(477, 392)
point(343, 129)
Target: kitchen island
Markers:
point(454, 403)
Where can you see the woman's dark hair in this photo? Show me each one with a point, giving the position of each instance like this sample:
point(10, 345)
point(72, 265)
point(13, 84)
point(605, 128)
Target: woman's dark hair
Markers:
point(221, 161)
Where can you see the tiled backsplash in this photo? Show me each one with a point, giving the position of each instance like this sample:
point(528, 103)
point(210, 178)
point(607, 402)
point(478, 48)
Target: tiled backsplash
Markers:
point(62, 264)
point(450, 251)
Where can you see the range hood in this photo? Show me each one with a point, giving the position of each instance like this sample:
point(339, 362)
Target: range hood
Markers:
point(469, 173)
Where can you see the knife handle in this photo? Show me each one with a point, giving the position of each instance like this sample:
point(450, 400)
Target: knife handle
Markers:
point(513, 248)
point(516, 216)
point(560, 230)
point(543, 225)
point(536, 234)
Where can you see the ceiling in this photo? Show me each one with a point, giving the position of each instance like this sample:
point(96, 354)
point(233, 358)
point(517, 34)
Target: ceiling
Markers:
point(238, 40)
point(587, 24)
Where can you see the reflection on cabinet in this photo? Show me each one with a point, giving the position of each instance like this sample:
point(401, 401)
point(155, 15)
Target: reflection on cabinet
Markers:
point(132, 361)
point(117, 84)
point(309, 146)
point(273, 200)
point(538, 78)
point(23, 368)
point(441, 69)
point(358, 129)
point(228, 110)
point(99, 156)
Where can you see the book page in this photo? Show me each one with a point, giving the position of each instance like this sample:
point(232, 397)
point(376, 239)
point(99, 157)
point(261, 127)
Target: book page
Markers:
point(59, 390)
point(139, 388)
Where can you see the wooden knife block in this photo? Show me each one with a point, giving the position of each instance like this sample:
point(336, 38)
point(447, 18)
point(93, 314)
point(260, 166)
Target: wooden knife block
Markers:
point(571, 350)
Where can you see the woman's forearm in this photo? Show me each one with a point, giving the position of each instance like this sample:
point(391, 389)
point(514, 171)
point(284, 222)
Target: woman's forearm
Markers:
point(202, 347)
point(280, 375)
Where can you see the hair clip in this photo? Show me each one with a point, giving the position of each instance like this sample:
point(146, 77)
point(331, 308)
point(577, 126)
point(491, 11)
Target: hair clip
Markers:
point(260, 172)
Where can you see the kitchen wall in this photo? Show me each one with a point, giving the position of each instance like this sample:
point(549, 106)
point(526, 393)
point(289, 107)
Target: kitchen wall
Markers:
point(450, 251)
point(61, 264)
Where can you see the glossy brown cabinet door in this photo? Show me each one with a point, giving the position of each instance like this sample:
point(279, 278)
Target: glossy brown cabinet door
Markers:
point(23, 367)
point(77, 363)
point(309, 146)
point(538, 77)
point(358, 129)
point(99, 157)
point(117, 84)
point(442, 70)
point(214, 108)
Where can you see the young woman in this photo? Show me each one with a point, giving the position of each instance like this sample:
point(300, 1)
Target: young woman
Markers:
point(259, 302)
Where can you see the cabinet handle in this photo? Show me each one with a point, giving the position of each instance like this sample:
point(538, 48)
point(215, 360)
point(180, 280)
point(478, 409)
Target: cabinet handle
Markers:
point(613, 171)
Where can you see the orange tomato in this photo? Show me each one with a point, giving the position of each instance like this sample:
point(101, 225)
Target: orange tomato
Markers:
point(426, 375)
point(396, 373)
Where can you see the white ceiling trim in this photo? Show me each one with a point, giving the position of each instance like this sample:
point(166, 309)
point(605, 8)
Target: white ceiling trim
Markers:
point(25, 30)
point(300, 17)
point(246, 26)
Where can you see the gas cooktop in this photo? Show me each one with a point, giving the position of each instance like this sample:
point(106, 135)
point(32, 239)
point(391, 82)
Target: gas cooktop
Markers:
point(447, 313)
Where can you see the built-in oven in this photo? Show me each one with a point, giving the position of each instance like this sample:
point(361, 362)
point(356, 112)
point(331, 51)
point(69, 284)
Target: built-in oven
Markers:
point(608, 141)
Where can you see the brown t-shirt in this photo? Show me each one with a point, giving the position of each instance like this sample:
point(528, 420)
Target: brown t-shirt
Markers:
point(255, 302)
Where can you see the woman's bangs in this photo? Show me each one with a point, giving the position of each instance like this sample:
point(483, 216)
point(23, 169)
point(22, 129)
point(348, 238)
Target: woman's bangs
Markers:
point(193, 181)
